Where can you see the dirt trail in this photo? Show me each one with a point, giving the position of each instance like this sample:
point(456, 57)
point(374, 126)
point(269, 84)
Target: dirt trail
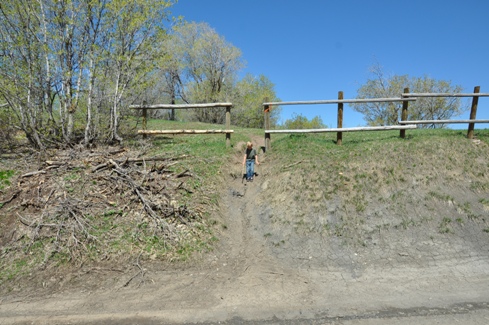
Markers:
point(259, 273)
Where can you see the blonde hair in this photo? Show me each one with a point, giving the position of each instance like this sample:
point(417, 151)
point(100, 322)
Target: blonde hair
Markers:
point(249, 144)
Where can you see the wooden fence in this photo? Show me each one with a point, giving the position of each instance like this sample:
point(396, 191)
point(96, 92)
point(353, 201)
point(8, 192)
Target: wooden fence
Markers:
point(473, 109)
point(404, 124)
point(339, 130)
point(227, 125)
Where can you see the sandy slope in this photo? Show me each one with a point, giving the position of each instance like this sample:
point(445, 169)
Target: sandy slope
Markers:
point(255, 277)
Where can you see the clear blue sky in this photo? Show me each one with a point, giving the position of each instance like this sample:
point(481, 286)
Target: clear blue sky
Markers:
point(311, 49)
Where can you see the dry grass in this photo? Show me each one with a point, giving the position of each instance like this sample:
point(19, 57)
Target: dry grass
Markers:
point(378, 181)
point(435, 180)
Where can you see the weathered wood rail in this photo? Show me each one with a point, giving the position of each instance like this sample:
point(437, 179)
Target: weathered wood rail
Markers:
point(442, 121)
point(403, 125)
point(226, 131)
point(267, 106)
point(184, 131)
point(473, 109)
point(353, 129)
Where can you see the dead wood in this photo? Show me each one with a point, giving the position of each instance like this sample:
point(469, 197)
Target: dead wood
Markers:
point(55, 163)
point(184, 174)
point(33, 224)
point(125, 161)
point(34, 173)
point(9, 155)
point(115, 152)
point(291, 165)
point(100, 166)
point(140, 271)
point(101, 270)
point(73, 200)
point(2, 204)
point(180, 186)
point(148, 206)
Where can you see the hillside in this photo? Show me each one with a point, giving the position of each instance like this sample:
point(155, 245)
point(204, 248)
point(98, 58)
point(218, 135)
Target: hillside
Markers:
point(377, 225)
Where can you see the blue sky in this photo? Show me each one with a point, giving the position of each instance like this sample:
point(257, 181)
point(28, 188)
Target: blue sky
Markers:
point(311, 49)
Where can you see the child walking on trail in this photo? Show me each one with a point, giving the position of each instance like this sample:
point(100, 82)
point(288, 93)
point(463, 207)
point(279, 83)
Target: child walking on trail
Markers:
point(250, 158)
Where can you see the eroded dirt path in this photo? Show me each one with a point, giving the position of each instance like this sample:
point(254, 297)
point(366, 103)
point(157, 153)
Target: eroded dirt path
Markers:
point(257, 277)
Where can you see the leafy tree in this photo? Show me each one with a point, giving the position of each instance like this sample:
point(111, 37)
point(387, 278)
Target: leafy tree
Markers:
point(429, 108)
point(172, 69)
point(210, 66)
point(60, 59)
point(131, 54)
point(68, 68)
point(302, 122)
point(250, 92)
point(7, 128)
point(23, 74)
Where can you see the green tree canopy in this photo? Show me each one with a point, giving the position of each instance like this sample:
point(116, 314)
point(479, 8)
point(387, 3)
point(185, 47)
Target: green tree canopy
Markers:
point(61, 59)
point(426, 108)
point(298, 121)
point(209, 67)
point(70, 68)
point(200, 66)
point(249, 94)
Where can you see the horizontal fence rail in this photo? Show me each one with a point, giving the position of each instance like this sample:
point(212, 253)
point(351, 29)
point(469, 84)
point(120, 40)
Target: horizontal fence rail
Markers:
point(227, 131)
point(181, 106)
point(353, 129)
point(339, 130)
point(403, 125)
point(342, 101)
point(442, 121)
point(184, 131)
point(445, 95)
point(473, 109)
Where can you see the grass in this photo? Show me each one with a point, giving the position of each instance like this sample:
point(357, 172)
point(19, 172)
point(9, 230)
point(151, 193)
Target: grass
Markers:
point(5, 176)
point(374, 171)
point(18, 267)
point(207, 155)
point(120, 233)
point(445, 225)
point(372, 180)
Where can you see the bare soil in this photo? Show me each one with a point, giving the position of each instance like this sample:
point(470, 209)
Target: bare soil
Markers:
point(282, 258)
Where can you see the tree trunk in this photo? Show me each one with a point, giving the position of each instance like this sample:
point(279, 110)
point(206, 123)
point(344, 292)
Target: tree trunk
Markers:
point(88, 126)
point(114, 120)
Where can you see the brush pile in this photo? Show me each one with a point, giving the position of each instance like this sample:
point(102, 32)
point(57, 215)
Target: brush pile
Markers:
point(81, 204)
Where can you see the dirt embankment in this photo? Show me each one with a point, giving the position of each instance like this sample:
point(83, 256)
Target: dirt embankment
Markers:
point(304, 241)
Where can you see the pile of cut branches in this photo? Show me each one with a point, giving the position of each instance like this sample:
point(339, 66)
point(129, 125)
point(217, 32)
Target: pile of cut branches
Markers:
point(83, 205)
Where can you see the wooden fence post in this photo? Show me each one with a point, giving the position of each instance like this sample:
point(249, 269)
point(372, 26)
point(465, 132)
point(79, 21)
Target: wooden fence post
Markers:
point(473, 112)
point(172, 111)
point(145, 119)
point(266, 111)
point(228, 125)
point(404, 113)
point(339, 135)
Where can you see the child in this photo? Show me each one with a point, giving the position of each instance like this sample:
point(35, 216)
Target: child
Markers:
point(250, 158)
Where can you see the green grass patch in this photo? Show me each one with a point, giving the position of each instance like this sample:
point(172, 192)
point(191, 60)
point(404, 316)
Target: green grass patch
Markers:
point(5, 176)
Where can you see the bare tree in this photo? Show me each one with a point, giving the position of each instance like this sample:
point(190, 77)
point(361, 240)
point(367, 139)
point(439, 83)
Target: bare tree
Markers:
point(381, 86)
